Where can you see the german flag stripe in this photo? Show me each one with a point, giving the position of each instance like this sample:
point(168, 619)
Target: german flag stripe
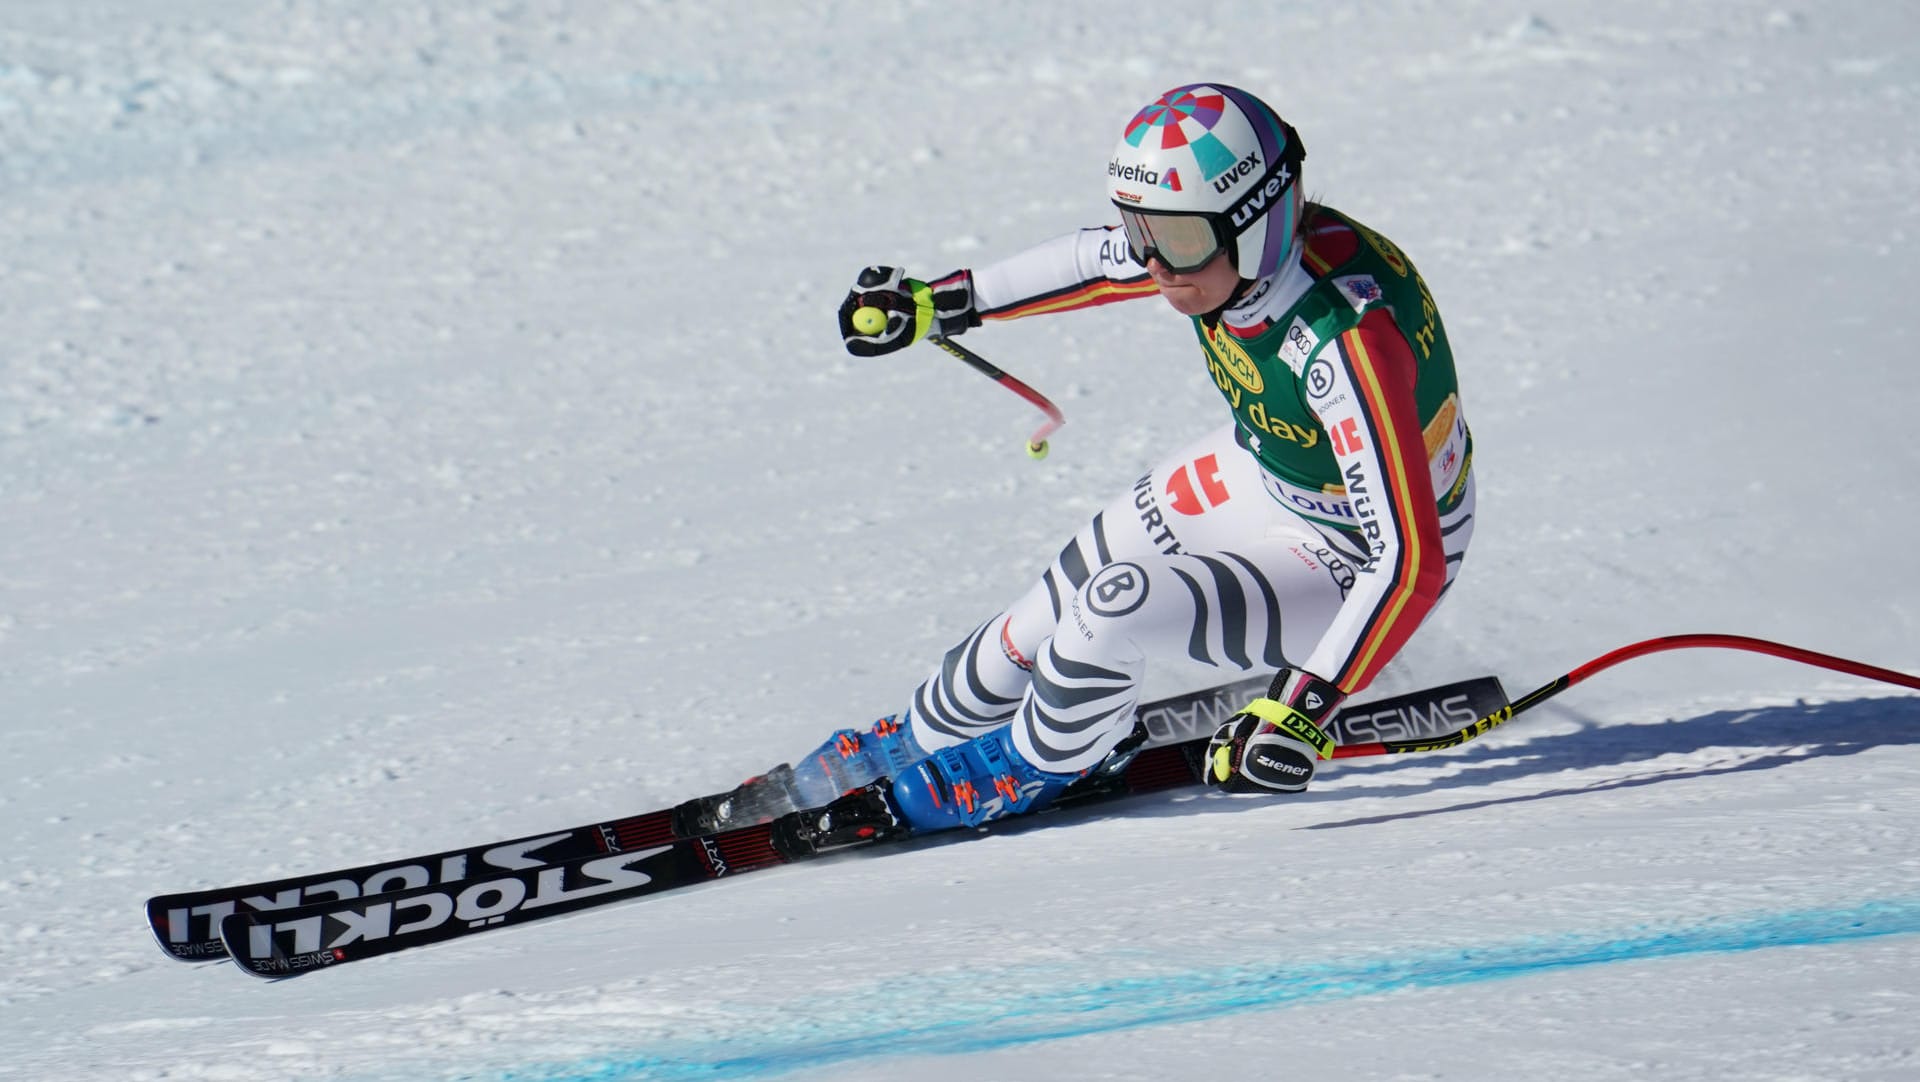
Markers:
point(1079, 295)
point(1353, 353)
point(1381, 366)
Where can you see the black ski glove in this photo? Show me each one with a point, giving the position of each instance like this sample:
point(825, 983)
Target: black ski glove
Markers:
point(1274, 744)
point(913, 309)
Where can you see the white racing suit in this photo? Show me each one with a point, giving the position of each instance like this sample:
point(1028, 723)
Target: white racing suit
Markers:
point(1315, 531)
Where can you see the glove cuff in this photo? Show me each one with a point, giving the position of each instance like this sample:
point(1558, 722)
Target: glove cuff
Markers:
point(1307, 693)
point(945, 305)
point(1293, 723)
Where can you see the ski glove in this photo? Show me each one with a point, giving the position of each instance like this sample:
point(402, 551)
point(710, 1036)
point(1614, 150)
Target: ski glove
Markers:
point(913, 309)
point(1274, 744)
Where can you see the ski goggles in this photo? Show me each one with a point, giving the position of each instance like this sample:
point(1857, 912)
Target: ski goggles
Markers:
point(1182, 242)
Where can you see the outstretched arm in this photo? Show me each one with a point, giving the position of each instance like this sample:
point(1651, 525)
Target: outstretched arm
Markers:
point(1079, 270)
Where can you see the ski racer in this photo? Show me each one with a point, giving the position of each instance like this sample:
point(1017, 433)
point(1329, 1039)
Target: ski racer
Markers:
point(1309, 535)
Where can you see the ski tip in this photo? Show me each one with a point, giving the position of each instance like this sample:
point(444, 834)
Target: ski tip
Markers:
point(255, 952)
point(172, 928)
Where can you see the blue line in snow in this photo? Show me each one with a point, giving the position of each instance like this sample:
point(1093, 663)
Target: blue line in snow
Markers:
point(988, 1010)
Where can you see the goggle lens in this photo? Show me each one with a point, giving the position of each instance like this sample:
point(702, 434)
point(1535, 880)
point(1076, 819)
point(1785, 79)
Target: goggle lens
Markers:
point(1183, 242)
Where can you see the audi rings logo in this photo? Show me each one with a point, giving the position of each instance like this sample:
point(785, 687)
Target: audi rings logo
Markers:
point(1117, 590)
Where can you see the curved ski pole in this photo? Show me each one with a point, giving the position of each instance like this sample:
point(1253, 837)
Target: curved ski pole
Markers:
point(1036, 443)
point(1608, 660)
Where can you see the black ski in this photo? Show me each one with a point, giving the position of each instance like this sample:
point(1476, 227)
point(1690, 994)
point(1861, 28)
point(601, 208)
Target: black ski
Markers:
point(659, 848)
point(187, 924)
point(283, 942)
point(288, 942)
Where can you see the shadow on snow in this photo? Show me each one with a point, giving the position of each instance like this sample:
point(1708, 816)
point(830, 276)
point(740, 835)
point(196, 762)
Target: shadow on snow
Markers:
point(1752, 739)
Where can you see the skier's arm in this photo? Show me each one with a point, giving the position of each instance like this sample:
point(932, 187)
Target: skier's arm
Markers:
point(1361, 384)
point(1079, 270)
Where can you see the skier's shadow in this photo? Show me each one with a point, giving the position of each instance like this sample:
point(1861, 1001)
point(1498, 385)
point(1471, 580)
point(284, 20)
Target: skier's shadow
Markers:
point(1760, 738)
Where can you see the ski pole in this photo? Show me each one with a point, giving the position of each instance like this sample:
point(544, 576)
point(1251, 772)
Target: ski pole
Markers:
point(870, 320)
point(1036, 443)
point(1608, 660)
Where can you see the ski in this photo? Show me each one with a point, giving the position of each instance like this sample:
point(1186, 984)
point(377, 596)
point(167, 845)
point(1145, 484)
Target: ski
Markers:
point(283, 942)
point(605, 861)
point(277, 943)
point(187, 924)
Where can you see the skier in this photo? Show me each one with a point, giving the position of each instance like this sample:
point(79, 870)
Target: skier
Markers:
point(1310, 535)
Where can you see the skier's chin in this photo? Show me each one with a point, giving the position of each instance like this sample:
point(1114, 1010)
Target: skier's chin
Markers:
point(1197, 292)
point(1187, 300)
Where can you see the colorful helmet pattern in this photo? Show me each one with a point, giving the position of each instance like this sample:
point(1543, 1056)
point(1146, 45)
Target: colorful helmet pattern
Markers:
point(1221, 152)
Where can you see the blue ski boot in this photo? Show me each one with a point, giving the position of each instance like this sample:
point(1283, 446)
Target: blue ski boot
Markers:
point(850, 759)
point(972, 783)
point(853, 757)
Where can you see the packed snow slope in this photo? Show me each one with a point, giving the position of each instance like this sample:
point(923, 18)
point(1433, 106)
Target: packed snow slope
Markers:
point(421, 422)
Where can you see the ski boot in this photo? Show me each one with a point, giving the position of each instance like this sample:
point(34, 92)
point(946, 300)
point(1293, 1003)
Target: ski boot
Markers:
point(851, 758)
point(973, 783)
point(848, 760)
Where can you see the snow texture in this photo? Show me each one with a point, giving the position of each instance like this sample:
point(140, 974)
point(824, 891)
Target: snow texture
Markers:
point(421, 422)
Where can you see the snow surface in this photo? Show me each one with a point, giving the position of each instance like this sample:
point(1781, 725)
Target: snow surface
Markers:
point(421, 422)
